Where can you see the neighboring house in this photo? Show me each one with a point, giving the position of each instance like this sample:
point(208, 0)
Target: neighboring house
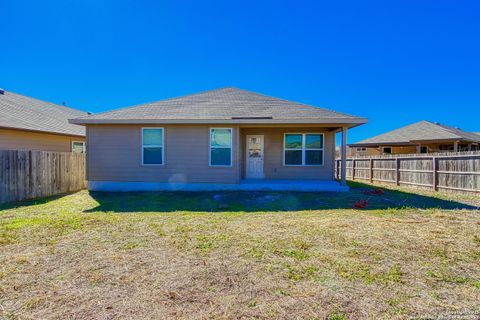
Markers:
point(31, 124)
point(220, 139)
point(420, 137)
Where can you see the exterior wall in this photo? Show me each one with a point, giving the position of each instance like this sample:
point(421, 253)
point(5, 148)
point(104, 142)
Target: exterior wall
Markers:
point(114, 154)
point(375, 151)
point(273, 154)
point(404, 149)
point(29, 140)
point(352, 152)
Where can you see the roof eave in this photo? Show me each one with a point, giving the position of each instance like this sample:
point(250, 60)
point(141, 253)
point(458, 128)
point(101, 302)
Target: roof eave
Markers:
point(345, 121)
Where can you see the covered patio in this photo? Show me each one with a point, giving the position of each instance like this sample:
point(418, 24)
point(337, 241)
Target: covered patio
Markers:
point(290, 156)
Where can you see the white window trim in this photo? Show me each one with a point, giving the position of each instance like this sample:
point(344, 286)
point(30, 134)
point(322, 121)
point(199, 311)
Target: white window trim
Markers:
point(219, 147)
point(156, 145)
point(304, 149)
point(82, 142)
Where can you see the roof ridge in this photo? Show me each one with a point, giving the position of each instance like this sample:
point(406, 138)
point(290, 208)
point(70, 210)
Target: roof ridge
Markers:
point(214, 90)
point(220, 104)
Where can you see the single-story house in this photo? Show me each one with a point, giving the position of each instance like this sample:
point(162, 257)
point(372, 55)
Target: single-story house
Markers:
point(31, 124)
point(419, 137)
point(221, 139)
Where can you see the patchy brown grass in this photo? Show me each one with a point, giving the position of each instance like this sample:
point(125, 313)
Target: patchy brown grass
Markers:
point(67, 259)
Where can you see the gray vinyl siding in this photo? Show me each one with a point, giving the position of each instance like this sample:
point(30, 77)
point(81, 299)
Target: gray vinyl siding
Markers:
point(273, 154)
point(114, 154)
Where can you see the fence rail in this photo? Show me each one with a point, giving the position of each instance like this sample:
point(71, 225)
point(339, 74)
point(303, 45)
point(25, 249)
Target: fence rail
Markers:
point(448, 171)
point(32, 174)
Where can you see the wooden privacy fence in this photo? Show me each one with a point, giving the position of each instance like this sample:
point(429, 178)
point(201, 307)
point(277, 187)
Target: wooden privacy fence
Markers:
point(449, 171)
point(32, 174)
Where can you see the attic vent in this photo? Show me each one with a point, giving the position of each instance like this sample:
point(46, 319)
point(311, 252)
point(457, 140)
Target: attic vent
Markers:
point(236, 118)
point(2, 91)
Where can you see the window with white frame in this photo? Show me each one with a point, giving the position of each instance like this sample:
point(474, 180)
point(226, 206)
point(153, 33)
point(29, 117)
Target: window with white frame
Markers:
point(78, 147)
point(220, 146)
point(152, 146)
point(303, 149)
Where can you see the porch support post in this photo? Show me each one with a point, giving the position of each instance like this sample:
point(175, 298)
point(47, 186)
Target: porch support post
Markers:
point(344, 156)
point(455, 146)
point(239, 154)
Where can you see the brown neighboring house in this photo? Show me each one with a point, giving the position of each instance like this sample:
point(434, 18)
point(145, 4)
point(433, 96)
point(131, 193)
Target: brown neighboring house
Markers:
point(221, 139)
point(420, 137)
point(31, 124)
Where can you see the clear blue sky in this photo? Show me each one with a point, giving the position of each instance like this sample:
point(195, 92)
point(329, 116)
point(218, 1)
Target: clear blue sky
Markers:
point(394, 62)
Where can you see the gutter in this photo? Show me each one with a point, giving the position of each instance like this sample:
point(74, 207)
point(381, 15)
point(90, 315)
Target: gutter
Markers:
point(85, 121)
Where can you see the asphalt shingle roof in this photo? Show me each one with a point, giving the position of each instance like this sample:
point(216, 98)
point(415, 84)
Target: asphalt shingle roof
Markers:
point(420, 131)
point(22, 112)
point(221, 104)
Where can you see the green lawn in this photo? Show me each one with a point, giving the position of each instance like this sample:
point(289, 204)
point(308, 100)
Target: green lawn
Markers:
point(228, 255)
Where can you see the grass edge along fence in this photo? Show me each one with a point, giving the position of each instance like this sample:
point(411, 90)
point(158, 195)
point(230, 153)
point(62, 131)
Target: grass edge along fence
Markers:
point(458, 171)
point(32, 174)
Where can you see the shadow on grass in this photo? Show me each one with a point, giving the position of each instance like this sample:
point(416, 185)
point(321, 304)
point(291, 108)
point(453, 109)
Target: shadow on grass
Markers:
point(32, 202)
point(236, 201)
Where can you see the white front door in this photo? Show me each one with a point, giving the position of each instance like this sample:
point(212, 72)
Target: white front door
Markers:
point(254, 169)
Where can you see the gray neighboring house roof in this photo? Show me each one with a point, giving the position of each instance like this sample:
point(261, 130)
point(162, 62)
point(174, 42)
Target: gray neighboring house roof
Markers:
point(227, 105)
point(26, 113)
point(417, 132)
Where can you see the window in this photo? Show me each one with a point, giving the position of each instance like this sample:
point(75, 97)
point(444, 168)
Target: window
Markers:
point(303, 149)
point(387, 150)
point(78, 147)
point(445, 147)
point(221, 147)
point(423, 149)
point(152, 146)
point(362, 149)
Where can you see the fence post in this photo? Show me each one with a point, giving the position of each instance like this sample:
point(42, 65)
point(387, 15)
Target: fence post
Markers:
point(353, 169)
point(339, 170)
point(336, 169)
point(397, 171)
point(434, 173)
point(371, 170)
